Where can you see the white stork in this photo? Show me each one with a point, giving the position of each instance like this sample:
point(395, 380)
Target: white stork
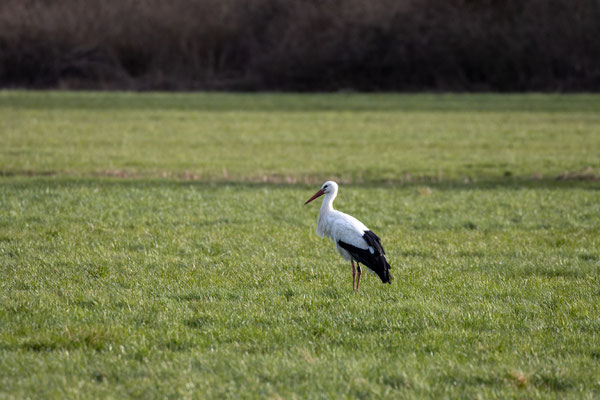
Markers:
point(352, 238)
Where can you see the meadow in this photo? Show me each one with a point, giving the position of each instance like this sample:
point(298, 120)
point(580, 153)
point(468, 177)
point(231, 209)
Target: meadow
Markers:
point(156, 246)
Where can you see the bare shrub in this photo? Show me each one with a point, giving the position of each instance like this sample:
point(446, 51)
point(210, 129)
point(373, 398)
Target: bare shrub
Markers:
point(301, 44)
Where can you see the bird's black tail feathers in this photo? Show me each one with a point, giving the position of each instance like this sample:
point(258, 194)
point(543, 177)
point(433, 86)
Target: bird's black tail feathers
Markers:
point(379, 263)
point(382, 269)
point(376, 260)
point(388, 275)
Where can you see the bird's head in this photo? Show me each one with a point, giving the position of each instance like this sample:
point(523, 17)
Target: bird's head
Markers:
point(327, 187)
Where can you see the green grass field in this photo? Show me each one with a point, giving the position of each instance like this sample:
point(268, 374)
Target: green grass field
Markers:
point(156, 245)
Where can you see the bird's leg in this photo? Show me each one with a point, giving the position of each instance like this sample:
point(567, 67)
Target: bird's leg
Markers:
point(353, 274)
point(359, 274)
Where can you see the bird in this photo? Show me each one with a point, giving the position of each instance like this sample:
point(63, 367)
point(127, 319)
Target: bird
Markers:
point(353, 240)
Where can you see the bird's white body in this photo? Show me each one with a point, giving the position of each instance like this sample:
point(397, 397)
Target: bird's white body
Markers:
point(353, 240)
point(338, 226)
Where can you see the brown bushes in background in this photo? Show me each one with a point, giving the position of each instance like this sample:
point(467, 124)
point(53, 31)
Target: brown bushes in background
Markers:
point(301, 44)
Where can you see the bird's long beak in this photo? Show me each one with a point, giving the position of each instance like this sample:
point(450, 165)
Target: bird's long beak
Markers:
point(319, 193)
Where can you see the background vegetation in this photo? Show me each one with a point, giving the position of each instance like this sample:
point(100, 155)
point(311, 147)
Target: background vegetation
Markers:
point(156, 245)
point(374, 45)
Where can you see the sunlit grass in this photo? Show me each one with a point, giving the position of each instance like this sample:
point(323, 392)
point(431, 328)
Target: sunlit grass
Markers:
point(291, 138)
point(217, 286)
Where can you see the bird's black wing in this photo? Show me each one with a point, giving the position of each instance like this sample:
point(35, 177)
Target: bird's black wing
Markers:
point(373, 240)
point(375, 260)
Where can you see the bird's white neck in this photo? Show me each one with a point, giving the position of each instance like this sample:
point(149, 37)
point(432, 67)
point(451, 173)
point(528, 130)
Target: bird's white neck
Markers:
point(323, 228)
point(327, 204)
